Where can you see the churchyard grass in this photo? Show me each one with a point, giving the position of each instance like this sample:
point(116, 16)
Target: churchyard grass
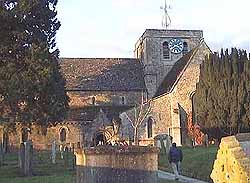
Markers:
point(44, 171)
point(197, 162)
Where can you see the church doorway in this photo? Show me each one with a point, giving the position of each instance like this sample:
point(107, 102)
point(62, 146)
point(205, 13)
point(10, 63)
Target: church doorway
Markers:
point(99, 139)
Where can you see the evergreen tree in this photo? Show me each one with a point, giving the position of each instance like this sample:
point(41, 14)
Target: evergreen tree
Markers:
point(32, 88)
point(223, 92)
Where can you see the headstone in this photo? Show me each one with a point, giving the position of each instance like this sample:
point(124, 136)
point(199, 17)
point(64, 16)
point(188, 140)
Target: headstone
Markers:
point(61, 150)
point(28, 158)
point(74, 158)
point(1, 154)
point(25, 158)
point(74, 162)
point(66, 156)
point(53, 152)
point(21, 157)
point(164, 142)
point(206, 140)
point(5, 143)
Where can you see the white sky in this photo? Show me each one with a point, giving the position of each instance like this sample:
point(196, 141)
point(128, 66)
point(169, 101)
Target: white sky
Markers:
point(110, 28)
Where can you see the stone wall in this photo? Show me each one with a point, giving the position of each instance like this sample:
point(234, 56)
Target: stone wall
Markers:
point(41, 141)
point(232, 163)
point(121, 164)
point(169, 111)
point(78, 125)
point(184, 88)
point(103, 98)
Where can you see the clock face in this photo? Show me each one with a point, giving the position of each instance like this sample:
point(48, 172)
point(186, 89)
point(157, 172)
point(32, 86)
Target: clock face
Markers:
point(175, 45)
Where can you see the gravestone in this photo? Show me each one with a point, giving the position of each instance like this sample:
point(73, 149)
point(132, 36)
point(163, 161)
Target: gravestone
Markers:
point(25, 158)
point(66, 156)
point(61, 151)
point(1, 154)
point(53, 152)
point(21, 157)
point(164, 142)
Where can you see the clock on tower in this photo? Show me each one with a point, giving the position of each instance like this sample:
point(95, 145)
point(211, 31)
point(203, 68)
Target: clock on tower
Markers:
point(175, 45)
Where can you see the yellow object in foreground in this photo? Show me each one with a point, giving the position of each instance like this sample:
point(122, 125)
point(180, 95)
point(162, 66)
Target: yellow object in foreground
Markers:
point(232, 164)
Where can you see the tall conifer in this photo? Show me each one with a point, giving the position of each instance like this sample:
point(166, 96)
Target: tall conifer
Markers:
point(223, 92)
point(32, 88)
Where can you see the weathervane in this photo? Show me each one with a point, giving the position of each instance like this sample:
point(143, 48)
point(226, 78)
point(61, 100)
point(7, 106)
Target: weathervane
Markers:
point(166, 20)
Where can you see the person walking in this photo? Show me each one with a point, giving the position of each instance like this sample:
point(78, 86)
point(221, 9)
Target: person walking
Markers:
point(175, 158)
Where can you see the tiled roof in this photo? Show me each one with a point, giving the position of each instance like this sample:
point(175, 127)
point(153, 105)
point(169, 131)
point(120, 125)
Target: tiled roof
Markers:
point(173, 74)
point(106, 74)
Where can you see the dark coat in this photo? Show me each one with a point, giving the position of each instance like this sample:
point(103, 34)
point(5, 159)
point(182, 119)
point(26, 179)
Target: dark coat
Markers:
point(175, 155)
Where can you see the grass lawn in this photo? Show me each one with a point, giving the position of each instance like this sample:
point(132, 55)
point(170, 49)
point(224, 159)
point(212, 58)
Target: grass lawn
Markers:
point(197, 163)
point(43, 170)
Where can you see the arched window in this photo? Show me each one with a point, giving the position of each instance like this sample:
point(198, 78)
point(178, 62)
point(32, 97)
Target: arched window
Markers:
point(166, 51)
point(185, 48)
point(93, 101)
point(150, 127)
point(63, 135)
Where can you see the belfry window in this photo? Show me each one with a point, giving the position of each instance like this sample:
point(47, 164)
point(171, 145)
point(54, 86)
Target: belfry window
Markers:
point(123, 102)
point(166, 51)
point(185, 48)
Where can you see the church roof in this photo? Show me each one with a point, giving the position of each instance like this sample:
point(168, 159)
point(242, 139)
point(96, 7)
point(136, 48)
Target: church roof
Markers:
point(103, 74)
point(174, 73)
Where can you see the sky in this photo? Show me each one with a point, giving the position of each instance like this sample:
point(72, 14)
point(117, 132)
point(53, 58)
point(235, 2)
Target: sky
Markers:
point(110, 28)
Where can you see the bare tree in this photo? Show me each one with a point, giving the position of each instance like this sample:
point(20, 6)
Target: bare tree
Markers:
point(138, 115)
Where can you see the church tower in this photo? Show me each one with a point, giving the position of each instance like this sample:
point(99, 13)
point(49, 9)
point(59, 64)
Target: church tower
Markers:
point(159, 49)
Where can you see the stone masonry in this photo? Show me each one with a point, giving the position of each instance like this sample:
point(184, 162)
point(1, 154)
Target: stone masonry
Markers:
point(115, 85)
point(173, 98)
point(149, 50)
point(232, 163)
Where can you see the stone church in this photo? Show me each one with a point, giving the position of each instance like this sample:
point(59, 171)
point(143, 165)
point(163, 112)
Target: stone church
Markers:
point(165, 71)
